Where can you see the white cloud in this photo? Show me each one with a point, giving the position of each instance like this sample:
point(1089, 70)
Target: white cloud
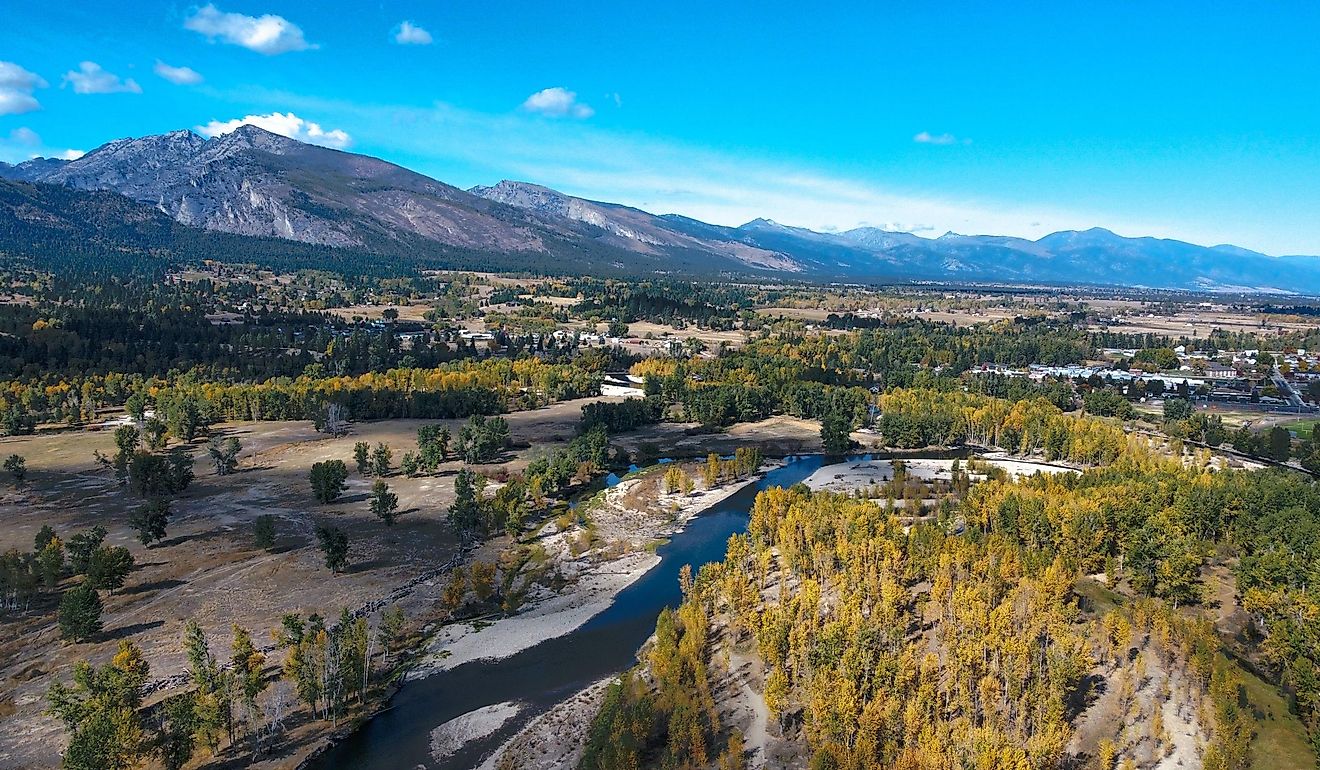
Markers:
point(23, 143)
point(89, 78)
point(16, 87)
point(408, 33)
point(664, 176)
point(179, 76)
point(267, 34)
point(926, 137)
point(24, 135)
point(902, 227)
point(284, 124)
point(557, 102)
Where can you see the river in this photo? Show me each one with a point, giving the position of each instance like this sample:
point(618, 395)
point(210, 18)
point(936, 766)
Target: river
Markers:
point(552, 671)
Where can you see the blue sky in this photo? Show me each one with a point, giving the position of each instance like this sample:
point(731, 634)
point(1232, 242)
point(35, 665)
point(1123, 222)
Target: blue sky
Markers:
point(1195, 120)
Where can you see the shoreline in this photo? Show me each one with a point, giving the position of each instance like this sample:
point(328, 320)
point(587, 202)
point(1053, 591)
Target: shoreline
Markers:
point(557, 735)
point(549, 614)
point(860, 473)
point(597, 582)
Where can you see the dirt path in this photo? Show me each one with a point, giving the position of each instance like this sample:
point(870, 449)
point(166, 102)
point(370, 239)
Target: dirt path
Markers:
point(756, 737)
point(1184, 734)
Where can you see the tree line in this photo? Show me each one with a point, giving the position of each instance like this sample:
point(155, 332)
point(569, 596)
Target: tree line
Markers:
point(845, 654)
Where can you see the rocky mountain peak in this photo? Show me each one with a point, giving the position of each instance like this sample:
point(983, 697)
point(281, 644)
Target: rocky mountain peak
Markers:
point(249, 137)
point(31, 170)
point(525, 195)
point(254, 182)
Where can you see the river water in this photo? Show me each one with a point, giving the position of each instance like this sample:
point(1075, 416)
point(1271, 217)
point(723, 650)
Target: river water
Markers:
point(552, 671)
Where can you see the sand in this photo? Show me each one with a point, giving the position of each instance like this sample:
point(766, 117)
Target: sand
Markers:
point(479, 723)
point(596, 577)
point(554, 739)
point(621, 390)
point(863, 473)
point(548, 616)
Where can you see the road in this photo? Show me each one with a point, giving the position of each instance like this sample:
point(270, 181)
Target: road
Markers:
point(1286, 389)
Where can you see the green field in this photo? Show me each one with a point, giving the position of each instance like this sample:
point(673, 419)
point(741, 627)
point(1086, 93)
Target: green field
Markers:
point(1302, 427)
point(1280, 742)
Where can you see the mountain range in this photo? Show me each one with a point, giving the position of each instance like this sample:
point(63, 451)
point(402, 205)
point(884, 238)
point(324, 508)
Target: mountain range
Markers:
point(262, 187)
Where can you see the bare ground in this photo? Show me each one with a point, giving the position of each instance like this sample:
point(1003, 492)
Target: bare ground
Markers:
point(590, 562)
point(775, 436)
point(553, 740)
point(626, 520)
point(1124, 711)
point(208, 568)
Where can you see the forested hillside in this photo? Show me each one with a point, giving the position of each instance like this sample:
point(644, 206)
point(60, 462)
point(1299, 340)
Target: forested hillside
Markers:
point(966, 639)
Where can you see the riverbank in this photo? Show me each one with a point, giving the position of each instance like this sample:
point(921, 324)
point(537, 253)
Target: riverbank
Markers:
point(556, 738)
point(451, 736)
point(624, 523)
point(611, 553)
point(858, 474)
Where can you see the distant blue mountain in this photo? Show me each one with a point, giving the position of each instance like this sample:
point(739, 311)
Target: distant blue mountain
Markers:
point(254, 183)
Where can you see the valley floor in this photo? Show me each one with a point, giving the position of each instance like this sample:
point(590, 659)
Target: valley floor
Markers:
point(628, 521)
point(208, 569)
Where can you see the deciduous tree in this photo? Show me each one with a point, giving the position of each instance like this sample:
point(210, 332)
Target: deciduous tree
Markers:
point(99, 711)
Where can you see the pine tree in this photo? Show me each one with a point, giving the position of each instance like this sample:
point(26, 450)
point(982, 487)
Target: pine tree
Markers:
point(329, 480)
point(224, 453)
point(835, 428)
point(175, 739)
point(80, 613)
point(17, 468)
point(150, 520)
point(381, 457)
point(465, 512)
point(263, 531)
point(384, 503)
point(333, 542)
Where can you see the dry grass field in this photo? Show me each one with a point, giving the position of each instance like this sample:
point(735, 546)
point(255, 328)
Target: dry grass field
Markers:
point(208, 568)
